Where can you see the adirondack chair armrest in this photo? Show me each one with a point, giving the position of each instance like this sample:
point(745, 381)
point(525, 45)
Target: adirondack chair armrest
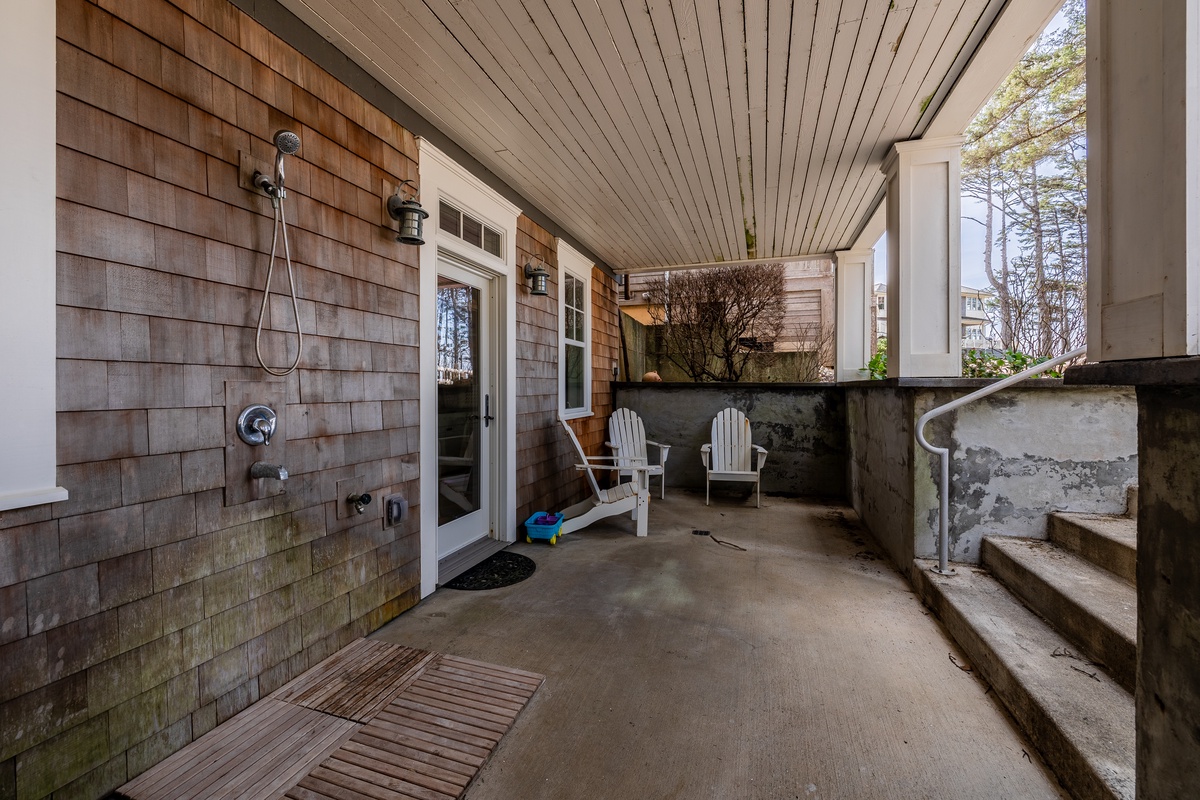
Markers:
point(705, 449)
point(762, 455)
point(662, 450)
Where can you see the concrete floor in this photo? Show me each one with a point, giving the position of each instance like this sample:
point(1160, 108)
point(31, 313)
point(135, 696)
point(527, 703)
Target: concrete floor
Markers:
point(677, 668)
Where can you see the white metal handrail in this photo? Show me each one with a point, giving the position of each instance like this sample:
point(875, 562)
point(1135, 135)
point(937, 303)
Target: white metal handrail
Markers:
point(943, 453)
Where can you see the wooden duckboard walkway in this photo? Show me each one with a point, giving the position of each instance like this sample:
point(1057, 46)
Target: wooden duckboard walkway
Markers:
point(374, 720)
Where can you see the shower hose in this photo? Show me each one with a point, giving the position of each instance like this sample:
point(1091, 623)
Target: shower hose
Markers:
point(280, 224)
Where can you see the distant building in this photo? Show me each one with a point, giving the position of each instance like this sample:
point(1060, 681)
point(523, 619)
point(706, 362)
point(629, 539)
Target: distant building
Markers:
point(978, 332)
point(808, 299)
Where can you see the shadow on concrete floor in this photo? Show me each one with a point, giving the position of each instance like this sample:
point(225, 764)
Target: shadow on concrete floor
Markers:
point(804, 667)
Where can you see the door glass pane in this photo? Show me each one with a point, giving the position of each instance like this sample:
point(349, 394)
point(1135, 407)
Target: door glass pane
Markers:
point(458, 399)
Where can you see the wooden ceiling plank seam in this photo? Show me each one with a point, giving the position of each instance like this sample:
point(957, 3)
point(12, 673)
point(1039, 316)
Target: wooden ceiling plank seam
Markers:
point(707, 84)
point(783, 113)
point(800, 52)
point(706, 208)
point(667, 177)
point(590, 77)
point(644, 93)
point(645, 40)
point(708, 24)
point(612, 93)
point(652, 40)
point(824, 34)
point(566, 122)
point(840, 44)
point(647, 98)
point(443, 116)
point(422, 77)
point(898, 57)
point(840, 136)
point(601, 152)
point(961, 30)
point(964, 24)
point(860, 161)
point(755, 23)
point(780, 19)
point(562, 126)
point(921, 54)
point(733, 35)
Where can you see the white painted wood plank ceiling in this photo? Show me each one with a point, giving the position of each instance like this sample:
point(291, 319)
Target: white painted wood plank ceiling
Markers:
point(673, 132)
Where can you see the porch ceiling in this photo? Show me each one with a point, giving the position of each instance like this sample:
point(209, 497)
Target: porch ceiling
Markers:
point(673, 132)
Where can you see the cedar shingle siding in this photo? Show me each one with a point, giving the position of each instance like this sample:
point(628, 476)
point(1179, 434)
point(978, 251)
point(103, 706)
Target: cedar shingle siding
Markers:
point(152, 605)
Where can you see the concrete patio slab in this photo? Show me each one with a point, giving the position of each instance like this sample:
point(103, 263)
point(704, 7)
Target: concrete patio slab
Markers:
point(804, 667)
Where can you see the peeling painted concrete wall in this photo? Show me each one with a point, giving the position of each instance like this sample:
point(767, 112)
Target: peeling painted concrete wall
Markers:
point(1014, 457)
point(801, 426)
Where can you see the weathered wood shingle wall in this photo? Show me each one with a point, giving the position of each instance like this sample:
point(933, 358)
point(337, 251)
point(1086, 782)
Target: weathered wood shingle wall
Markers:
point(546, 477)
point(145, 610)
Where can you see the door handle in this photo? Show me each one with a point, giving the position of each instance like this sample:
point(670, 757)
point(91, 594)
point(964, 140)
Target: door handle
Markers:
point(487, 413)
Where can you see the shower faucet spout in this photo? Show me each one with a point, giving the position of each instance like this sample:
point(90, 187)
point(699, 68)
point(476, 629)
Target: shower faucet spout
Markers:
point(261, 469)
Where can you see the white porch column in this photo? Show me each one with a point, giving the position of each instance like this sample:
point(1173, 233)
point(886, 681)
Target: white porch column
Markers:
point(923, 225)
point(855, 291)
point(1143, 83)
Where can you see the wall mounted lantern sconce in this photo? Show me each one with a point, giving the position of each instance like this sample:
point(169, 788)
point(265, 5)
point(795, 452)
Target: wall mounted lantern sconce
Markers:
point(537, 275)
point(409, 213)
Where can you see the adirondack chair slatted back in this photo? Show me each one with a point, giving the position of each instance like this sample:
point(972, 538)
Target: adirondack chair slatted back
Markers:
point(625, 429)
point(731, 450)
point(582, 457)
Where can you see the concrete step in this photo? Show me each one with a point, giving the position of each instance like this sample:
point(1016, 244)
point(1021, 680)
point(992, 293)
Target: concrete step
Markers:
point(1105, 540)
point(1090, 606)
point(1079, 719)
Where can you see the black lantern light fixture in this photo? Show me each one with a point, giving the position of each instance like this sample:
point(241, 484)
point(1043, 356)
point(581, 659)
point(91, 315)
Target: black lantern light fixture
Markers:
point(537, 275)
point(409, 213)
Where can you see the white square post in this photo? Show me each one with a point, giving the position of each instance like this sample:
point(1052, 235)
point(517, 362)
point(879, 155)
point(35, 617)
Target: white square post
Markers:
point(923, 228)
point(1143, 83)
point(855, 293)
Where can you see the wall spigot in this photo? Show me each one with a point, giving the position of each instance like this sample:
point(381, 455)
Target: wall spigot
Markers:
point(261, 469)
point(359, 502)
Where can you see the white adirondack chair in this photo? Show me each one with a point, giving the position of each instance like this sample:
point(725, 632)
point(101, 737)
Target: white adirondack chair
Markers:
point(633, 497)
point(627, 438)
point(731, 456)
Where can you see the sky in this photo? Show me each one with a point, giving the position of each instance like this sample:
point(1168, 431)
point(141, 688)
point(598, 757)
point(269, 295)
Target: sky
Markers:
point(972, 239)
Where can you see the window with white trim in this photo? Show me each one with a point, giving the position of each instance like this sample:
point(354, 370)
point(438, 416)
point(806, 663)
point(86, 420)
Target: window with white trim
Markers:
point(575, 351)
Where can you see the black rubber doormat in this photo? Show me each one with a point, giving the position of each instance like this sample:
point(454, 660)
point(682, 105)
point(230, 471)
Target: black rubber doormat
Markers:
point(502, 569)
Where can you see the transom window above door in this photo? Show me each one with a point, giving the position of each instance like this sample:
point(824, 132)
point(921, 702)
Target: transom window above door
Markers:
point(471, 230)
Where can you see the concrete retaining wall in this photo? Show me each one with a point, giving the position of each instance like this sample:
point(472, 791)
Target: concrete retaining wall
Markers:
point(1015, 456)
point(803, 428)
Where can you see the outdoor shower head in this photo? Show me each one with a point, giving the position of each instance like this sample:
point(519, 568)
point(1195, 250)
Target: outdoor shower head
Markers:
point(287, 143)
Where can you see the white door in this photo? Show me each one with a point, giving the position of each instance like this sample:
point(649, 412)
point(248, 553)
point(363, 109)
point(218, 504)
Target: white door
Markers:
point(465, 407)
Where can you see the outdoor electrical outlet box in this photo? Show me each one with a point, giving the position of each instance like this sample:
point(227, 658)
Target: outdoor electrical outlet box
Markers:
point(395, 509)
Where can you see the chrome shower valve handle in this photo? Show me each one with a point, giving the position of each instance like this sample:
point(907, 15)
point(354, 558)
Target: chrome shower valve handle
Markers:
point(256, 425)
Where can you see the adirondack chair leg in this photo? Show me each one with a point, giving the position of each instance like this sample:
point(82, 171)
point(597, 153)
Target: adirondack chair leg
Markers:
point(641, 512)
point(758, 486)
point(706, 481)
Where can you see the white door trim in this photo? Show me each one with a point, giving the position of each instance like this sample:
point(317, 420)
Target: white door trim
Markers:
point(442, 178)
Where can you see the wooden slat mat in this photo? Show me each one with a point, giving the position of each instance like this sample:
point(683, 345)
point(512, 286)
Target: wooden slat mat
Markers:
point(431, 741)
point(258, 753)
point(372, 721)
point(358, 680)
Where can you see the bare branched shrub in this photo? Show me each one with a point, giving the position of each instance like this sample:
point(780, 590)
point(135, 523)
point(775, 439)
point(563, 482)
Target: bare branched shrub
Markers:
point(816, 344)
point(714, 320)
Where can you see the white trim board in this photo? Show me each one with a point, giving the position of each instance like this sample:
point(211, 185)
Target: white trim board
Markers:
point(28, 430)
point(441, 178)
